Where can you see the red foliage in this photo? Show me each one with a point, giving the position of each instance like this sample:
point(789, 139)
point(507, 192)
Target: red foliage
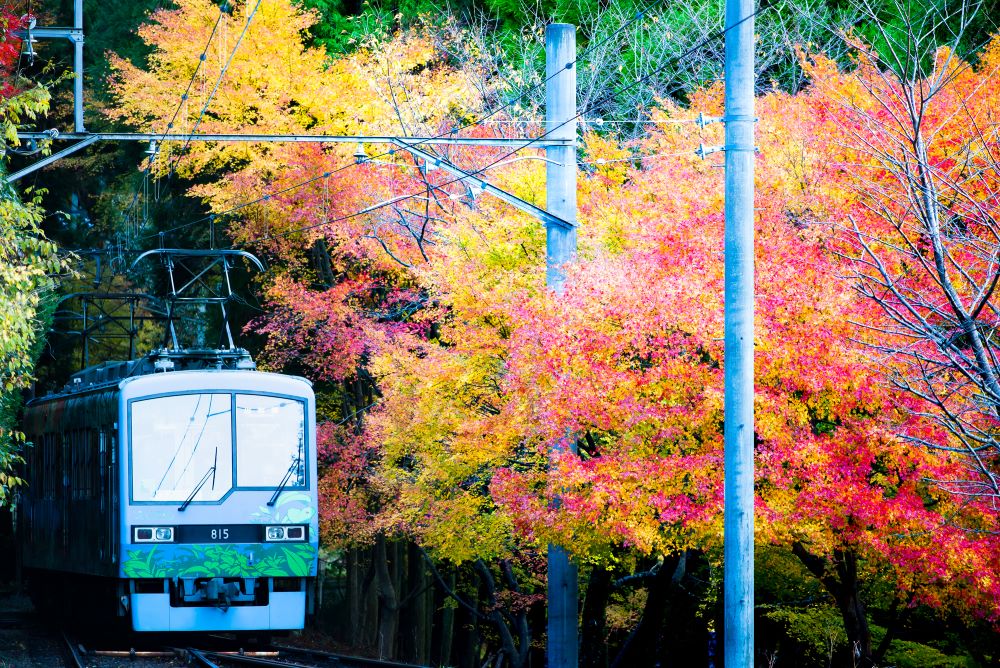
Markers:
point(10, 51)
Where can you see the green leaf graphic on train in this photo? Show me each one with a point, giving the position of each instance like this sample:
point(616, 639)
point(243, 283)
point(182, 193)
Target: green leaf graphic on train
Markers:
point(141, 564)
point(221, 560)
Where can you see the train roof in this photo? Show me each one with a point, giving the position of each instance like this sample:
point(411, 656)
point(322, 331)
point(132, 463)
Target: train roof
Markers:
point(113, 375)
point(210, 379)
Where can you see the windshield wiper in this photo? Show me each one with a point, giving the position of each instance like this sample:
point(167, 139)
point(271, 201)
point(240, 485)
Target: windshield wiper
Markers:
point(201, 483)
point(284, 481)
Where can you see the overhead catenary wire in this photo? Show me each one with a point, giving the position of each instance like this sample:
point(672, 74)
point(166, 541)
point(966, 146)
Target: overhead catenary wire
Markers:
point(638, 16)
point(634, 158)
point(223, 8)
point(600, 121)
point(716, 35)
point(215, 88)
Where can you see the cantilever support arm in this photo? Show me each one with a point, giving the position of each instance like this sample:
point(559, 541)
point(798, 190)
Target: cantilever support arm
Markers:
point(510, 198)
point(83, 143)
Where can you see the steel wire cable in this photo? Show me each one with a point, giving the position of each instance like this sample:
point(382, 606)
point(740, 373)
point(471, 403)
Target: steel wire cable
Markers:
point(218, 82)
point(202, 57)
point(716, 35)
point(638, 16)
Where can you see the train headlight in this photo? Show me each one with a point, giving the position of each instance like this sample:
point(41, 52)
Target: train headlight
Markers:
point(153, 534)
point(294, 533)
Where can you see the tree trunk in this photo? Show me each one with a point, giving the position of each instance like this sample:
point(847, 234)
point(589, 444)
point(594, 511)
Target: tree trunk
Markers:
point(430, 612)
point(369, 605)
point(321, 260)
point(413, 611)
point(467, 638)
point(640, 648)
point(353, 597)
point(897, 617)
point(513, 643)
point(842, 584)
point(388, 617)
point(593, 646)
point(852, 608)
point(444, 630)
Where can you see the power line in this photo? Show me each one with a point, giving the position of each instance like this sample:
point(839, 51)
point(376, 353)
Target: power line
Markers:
point(716, 35)
point(634, 158)
point(218, 82)
point(638, 16)
point(601, 121)
point(184, 97)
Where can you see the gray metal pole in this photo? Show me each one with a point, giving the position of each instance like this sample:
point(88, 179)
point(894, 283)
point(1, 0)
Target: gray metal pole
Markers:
point(739, 322)
point(560, 123)
point(560, 115)
point(77, 40)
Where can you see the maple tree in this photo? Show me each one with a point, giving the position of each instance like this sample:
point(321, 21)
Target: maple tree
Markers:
point(631, 358)
point(924, 232)
point(432, 313)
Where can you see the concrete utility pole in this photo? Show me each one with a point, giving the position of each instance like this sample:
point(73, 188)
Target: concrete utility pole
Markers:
point(76, 37)
point(739, 321)
point(560, 193)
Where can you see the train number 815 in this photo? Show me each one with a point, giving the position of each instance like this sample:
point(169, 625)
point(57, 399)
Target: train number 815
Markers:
point(220, 534)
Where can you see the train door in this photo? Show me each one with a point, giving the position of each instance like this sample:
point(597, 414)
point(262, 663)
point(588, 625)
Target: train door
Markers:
point(113, 521)
point(104, 551)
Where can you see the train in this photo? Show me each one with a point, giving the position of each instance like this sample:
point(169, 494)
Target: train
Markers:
point(176, 492)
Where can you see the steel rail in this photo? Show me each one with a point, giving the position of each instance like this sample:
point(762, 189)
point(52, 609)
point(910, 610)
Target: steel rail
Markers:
point(236, 657)
point(75, 661)
point(346, 659)
point(200, 658)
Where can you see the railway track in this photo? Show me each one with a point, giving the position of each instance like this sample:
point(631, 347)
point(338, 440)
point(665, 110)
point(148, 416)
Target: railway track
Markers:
point(72, 650)
point(285, 656)
point(78, 655)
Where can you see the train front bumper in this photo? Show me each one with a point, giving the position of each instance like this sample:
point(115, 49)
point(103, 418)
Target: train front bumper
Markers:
point(154, 612)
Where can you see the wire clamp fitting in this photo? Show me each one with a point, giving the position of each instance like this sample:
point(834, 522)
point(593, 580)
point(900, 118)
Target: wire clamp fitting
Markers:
point(703, 150)
point(704, 120)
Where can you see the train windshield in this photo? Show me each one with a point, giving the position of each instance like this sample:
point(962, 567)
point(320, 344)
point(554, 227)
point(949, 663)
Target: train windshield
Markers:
point(180, 443)
point(270, 442)
point(184, 446)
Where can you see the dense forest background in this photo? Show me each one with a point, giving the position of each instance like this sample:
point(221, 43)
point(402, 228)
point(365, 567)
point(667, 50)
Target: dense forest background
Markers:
point(430, 340)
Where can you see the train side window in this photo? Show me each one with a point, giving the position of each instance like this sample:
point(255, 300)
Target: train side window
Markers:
point(79, 445)
point(34, 463)
point(76, 477)
point(92, 459)
point(62, 465)
point(48, 466)
point(101, 469)
point(74, 458)
point(79, 475)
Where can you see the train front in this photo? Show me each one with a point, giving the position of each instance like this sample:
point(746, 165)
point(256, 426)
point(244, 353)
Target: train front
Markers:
point(218, 521)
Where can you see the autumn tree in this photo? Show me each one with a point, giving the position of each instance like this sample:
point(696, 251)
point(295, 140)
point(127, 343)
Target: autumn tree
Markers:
point(27, 258)
point(917, 127)
point(402, 294)
point(631, 359)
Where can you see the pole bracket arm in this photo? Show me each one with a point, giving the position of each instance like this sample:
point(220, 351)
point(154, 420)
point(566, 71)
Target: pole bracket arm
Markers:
point(73, 148)
point(475, 179)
